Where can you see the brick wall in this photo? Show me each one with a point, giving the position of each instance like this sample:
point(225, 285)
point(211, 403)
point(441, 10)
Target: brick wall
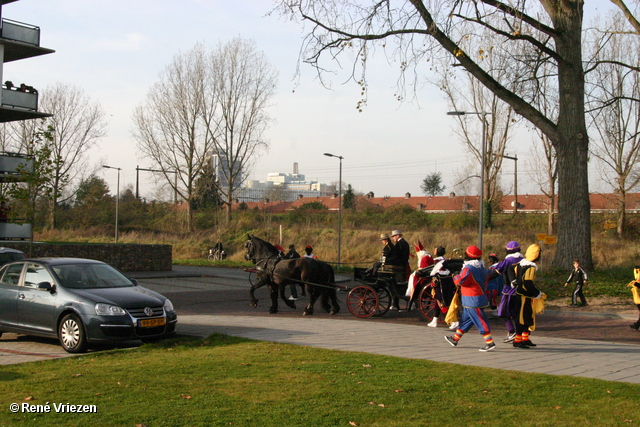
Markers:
point(124, 257)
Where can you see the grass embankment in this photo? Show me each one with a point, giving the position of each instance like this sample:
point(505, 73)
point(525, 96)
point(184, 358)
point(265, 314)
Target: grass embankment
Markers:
point(222, 381)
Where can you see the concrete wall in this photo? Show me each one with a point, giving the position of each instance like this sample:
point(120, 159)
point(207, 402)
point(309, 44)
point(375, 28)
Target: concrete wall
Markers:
point(124, 257)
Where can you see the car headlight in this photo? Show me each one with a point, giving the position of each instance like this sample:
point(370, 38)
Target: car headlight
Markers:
point(109, 310)
point(168, 307)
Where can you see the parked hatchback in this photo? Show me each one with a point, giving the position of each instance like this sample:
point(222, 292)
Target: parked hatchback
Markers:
point(80, 301)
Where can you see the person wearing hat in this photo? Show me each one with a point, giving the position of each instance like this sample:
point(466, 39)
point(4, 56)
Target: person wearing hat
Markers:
point(293, 254)
point(472, 281)
point(308, 252)
point(399, 262)
point(387, 253)
point(526, 294)
point(506, 308)
point(495, 284)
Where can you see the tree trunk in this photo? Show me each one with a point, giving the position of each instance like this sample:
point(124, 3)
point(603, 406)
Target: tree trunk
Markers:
point(572, 141)
point(622, 212)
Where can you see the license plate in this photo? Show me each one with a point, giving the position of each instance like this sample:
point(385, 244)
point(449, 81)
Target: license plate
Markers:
point(150, 323)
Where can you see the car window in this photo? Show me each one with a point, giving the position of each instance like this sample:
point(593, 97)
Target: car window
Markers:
point(11, 274)
point(35, 274)
point(91, 276)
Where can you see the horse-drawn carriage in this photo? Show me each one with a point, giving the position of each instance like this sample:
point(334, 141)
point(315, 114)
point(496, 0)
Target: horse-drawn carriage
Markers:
point(377, 291)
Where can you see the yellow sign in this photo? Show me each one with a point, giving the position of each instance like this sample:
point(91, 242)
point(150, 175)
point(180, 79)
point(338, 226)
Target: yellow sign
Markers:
point(551, 240)
point(541, 236)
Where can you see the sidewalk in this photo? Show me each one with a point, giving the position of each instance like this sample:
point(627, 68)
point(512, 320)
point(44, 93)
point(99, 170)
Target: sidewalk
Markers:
point(554, 356)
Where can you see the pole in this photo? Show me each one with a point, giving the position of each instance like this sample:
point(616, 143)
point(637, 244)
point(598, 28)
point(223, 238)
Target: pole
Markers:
point(117, 203)
point(482, 178)
point(481, 206)
point(339, 205)
point(515, 184)
point(117, 197)
point(339, 212)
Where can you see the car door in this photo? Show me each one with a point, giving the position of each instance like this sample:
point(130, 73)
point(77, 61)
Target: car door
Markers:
point(9, 290)
point(36, 307)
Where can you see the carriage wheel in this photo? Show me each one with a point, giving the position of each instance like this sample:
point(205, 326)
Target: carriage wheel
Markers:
point(384, 301)
point(362, 301)
point(427, 304)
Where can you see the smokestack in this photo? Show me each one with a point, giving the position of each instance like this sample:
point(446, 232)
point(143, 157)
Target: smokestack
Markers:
point(295, 168)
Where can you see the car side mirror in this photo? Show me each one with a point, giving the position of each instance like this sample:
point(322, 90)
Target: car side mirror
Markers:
point(134, 281)
point(45, 286)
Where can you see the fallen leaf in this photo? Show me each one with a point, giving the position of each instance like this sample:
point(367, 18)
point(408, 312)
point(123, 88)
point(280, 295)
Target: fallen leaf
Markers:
point(28, 398)
point(372, 403)
point(399, 391)
point(558, 407)
point(382, 405)
point(353, 423)
point(366, 366)
point(185, 396)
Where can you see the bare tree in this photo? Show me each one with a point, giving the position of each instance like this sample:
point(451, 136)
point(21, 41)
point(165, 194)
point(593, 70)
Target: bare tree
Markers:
point(77, 125)
point(465, 93)
point(628, 14)
point(614, 101)
point(531, 34)
point(240, 85)
point(168, 125)
point(207, 103)
point(543, 166)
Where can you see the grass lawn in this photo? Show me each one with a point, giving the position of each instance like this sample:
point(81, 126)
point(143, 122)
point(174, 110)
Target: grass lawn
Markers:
point(227, 381)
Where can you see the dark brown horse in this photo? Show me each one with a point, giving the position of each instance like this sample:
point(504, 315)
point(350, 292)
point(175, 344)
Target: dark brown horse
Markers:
point(275, 272)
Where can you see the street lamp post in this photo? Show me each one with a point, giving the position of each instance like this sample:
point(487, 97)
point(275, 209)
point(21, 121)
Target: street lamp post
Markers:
point(515, 181)
point(175, 188)
point(482, 165)
point(117, 196)
point(339, 204)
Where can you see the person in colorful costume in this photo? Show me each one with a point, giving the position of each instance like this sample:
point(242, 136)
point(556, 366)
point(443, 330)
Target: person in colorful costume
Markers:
point(417, 279)
point(495, 284)
point(526, 293)
point(506, 308)
point(443, 286)
point(635, 291)
point(472, 281)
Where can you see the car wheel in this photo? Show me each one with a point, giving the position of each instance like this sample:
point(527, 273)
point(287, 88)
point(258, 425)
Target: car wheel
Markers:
point(71, 334)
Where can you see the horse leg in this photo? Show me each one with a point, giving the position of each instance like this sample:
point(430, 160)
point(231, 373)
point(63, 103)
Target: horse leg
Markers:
point(313, 296)
point(325, 301)
point(288, 302)
point(252, 299)
point(334, 302)
point(274, 299)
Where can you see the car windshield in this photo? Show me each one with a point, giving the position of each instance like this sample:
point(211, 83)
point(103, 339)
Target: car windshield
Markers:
point(90, 276)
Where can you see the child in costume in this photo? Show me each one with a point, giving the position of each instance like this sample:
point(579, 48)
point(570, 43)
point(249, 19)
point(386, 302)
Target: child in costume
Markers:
point(635, 291)
point(579, 276)
point(506, 308)
point(472, 281)
point(526, 292)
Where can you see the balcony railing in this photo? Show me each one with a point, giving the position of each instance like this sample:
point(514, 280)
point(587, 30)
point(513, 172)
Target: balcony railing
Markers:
point(21, 32)
point(20, 99)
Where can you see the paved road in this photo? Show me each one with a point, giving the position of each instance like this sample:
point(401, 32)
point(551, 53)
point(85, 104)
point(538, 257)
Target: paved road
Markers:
point(215, 300)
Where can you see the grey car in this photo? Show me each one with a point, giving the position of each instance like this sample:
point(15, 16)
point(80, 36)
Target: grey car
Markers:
point(80, 302)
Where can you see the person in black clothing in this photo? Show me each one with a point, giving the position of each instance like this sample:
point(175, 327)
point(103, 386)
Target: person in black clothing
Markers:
point(579, 277)
point(292, 254)
point(399, 261)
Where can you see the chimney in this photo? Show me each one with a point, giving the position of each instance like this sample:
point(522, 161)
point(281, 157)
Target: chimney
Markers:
point(300, 196)
point(452, 195)
point(370, 195)
point(407, 195)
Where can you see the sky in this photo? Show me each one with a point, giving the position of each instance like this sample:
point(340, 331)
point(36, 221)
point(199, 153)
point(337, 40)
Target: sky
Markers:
point(114, 50)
